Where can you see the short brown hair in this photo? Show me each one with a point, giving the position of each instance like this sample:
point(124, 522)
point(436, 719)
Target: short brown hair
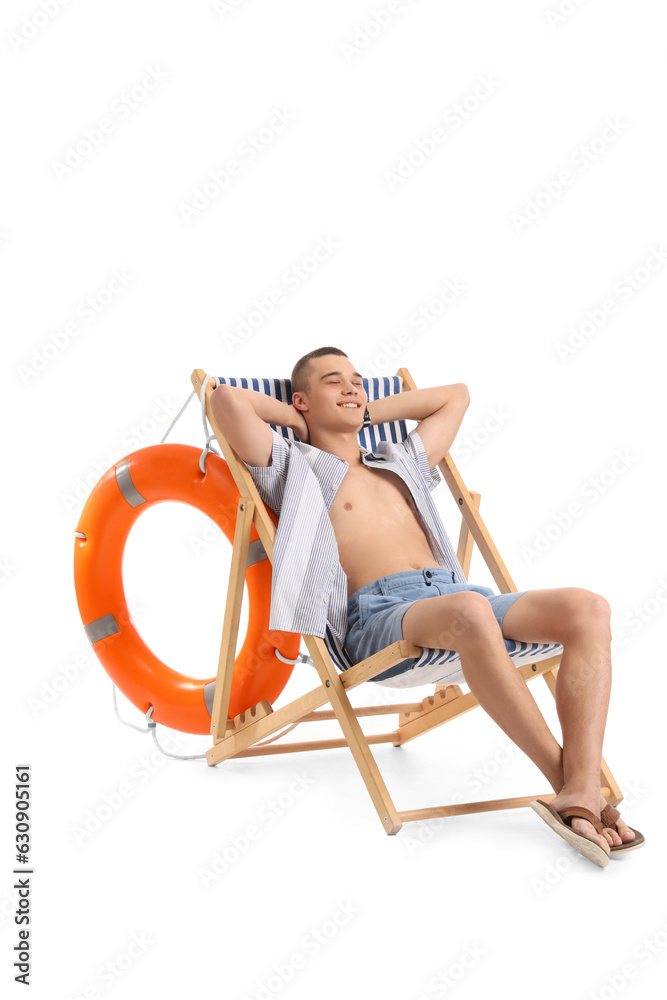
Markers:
point(300, 380)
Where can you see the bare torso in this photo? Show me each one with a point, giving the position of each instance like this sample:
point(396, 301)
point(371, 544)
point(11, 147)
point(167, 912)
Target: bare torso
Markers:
point(377, 527)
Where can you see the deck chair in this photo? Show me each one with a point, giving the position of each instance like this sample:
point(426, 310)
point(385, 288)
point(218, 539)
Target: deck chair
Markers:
point(249, 733)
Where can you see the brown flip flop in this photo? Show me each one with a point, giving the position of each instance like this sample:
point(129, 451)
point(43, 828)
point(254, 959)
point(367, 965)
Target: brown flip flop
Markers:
point(558, 823)
point(608, 817)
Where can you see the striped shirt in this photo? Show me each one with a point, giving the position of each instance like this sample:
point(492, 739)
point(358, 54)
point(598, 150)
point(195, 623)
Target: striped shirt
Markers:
point(308, 586)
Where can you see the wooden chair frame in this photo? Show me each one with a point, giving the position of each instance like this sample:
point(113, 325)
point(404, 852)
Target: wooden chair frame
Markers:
point(242, 736)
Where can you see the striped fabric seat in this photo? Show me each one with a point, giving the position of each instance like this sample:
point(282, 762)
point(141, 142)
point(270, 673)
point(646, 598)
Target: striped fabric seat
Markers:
point(434, 666)
point(376, 388)
point(442, 666)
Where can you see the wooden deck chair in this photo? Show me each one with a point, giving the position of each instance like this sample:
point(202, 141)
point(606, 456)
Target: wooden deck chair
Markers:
point(242, 736)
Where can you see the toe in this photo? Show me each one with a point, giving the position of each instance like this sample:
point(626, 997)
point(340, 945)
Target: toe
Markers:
point(587, 830)
point(623, 834)
point(613, 838)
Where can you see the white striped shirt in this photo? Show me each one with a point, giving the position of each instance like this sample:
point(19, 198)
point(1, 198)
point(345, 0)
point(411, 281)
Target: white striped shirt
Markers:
point(308, 586)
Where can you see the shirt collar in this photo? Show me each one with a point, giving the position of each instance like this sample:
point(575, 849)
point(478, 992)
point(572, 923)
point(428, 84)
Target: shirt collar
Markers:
point(379, 455)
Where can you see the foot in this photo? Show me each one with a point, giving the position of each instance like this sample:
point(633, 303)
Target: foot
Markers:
point(582, 826)
point(609, 837)
point(624, 836)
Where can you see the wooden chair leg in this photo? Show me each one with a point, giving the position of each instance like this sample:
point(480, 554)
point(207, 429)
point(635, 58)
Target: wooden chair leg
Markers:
point(354, 735)
point(230, 628)
point(466, 541)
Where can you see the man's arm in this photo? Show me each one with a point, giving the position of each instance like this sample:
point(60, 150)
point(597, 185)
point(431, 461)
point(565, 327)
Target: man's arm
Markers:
point(440, 411)
point(244, 415)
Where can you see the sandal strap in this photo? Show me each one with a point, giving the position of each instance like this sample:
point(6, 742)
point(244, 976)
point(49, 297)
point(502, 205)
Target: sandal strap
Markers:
point(579, 812)
point(608, 816)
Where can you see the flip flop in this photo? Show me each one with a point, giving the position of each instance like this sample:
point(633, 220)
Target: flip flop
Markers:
point(608, 817)
point(558, 823)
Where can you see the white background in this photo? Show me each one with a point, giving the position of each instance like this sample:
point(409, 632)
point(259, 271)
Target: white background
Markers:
point(497, 886)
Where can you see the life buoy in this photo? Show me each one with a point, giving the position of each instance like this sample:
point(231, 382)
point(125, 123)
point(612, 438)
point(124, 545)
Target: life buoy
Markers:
point(170, 472)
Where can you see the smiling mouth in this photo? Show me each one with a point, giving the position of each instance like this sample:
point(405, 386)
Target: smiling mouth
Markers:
point(350, 406)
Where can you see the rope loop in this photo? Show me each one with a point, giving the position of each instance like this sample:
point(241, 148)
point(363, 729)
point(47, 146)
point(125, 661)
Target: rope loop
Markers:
point(207, 437)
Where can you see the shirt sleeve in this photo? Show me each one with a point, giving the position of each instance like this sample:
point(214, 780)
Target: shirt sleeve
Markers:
point(414, 449)
point(270, 479)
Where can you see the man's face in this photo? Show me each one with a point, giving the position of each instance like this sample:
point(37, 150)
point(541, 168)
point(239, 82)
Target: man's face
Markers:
point(336, 398)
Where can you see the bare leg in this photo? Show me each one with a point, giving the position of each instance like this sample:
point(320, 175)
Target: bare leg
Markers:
point(579, 619)
point(465, 622)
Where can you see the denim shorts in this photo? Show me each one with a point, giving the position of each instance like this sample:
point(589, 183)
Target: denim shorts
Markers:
point(375, 612)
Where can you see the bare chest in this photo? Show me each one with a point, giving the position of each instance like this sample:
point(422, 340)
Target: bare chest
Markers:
point(368, 495)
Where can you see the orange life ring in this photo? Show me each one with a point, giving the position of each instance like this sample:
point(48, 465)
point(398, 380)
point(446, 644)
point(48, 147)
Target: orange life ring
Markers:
point(146, 477)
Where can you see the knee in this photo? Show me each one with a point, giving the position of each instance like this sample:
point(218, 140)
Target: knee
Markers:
point(471, 621)
point(588, 611)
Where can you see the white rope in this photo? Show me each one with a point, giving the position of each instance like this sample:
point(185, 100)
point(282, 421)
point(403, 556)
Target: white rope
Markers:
point(207, 437)
point(131, 724)
point(180, 413)
point(285, 659)
point(151, 728)
point(302, 657)
point(176, 756)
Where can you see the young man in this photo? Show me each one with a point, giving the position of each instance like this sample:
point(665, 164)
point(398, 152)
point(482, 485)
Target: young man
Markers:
point(401, 573)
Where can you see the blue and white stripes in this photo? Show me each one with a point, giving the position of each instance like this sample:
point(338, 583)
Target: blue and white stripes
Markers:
point(440, 666)
point(376, 388)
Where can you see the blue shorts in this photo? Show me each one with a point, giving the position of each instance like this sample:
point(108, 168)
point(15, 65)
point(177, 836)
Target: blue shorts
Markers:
point(375, 612)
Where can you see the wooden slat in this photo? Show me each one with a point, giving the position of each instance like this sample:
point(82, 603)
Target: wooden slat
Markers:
point(444, 693)
point(459, 706)
point(244, 481)
point(375, 664)
point(278, 719)
point(464, 808)
point(295, 710)
point(311, 745)
point(367, 710)
point(230, 628)
point(259, 711)
point(354, 735)
point(466, 541)
point(471, 516)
